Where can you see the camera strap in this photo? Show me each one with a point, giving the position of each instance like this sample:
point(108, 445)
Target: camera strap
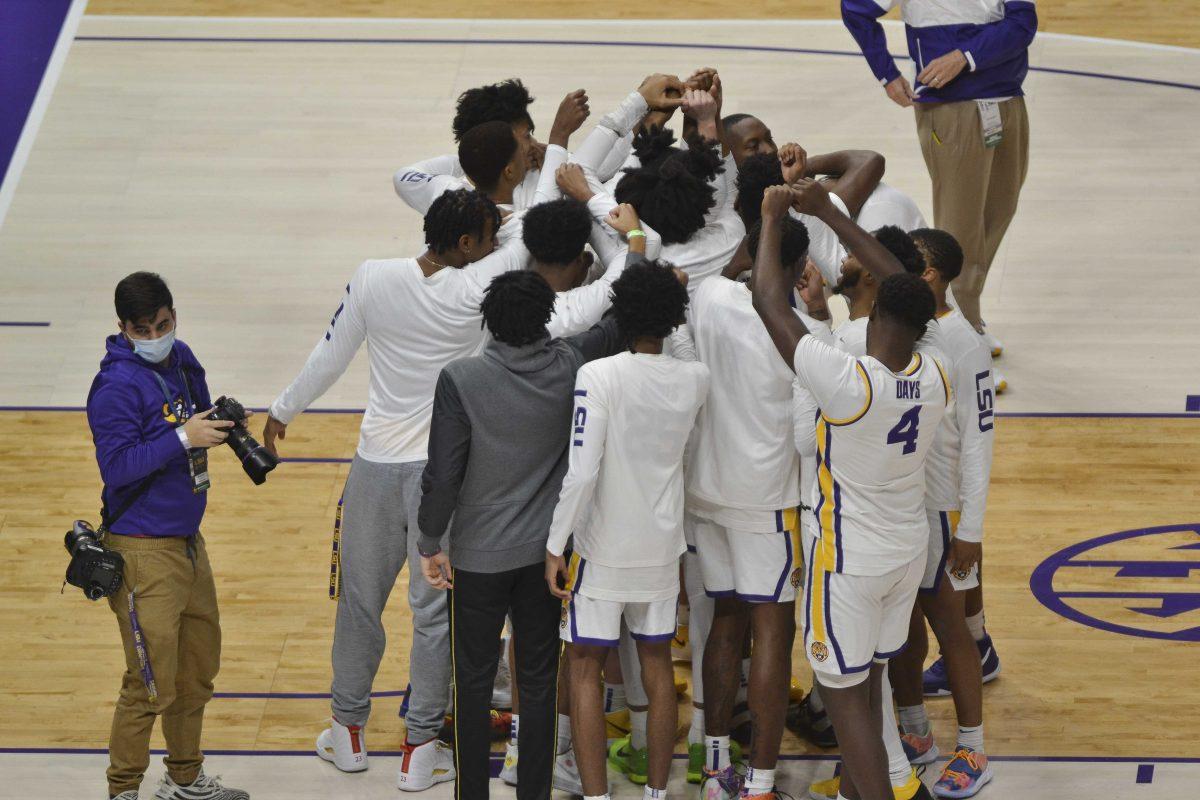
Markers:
point(107, 521)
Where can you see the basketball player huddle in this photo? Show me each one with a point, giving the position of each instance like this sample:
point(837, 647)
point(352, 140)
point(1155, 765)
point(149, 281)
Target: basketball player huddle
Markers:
point(606, 404)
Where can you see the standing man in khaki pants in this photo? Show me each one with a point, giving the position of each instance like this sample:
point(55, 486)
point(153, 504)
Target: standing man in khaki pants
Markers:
point(148, 410)
point(971, 57)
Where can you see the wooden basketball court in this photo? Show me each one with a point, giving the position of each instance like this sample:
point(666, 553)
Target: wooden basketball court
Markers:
point(248, 160)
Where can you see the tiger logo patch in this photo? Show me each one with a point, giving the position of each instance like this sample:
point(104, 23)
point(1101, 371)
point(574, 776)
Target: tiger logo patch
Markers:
point(562, 622)
point(819, 651)
point(797, 576)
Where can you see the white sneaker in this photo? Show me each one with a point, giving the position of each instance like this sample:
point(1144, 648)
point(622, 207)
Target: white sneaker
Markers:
point(566, 773)
point(425, 764)
point(508, 773)
point(993, 344)
point(203, 788)
point(1000, 381)
point(502, 689)
point(344, 745)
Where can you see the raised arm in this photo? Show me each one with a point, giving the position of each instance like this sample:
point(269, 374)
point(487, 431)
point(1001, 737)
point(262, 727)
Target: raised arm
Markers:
point(572, 111)
point(771, 289)
point(855, 173)
point(422, 183)
point(810, 197)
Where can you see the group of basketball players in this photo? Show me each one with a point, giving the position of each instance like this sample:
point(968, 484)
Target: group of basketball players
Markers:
point(735, 454)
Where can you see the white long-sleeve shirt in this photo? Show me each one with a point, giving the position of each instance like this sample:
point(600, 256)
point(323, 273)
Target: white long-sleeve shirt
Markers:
point(960, 463)
point(623, 494)
point(413, 325)
point(422, 183)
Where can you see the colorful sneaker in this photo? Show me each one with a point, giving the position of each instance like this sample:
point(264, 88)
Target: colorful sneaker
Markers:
point(345, 746)
point(203, 788)
point(811, 725)
point(696, 755)
point(508, 773)
point(634, 764)
point(919, 749)
point(723, 785)
point(938, 685)
point(913, 789)
point(965, 775)
point(617, 724)
point(681, 646)
point(566, 773)
point(424, 765)
point(501, 722)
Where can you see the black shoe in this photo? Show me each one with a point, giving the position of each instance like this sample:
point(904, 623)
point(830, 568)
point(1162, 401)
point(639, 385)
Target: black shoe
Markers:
point(811, 725)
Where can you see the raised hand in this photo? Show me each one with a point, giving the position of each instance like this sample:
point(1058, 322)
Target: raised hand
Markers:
point(572, 111)
point(900, 92)
point(794, 161)
point(812, 290)
point(700, 105)
point(623, 219)
point(810, 197)
point(662, 92)
point(571, 179)
point(701, 79)
point(776, 202)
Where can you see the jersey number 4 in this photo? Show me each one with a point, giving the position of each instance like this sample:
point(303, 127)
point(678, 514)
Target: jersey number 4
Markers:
point(905, 431)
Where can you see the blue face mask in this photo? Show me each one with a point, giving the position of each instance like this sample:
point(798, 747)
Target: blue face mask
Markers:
point(154, 350)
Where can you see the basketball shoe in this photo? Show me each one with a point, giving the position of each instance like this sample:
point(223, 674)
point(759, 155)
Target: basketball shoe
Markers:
point(203, 788)
point(965, 775)
point(938, 685)
point(723, 785)
point(913, 789)
point(919, 749)
point(424, 765)
point(345, 746)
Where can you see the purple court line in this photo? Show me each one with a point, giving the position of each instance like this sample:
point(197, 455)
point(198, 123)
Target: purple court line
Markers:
point(497, 757)
point(1006, 414)
point(592, 43)
point(24, 324)
point(292, 695)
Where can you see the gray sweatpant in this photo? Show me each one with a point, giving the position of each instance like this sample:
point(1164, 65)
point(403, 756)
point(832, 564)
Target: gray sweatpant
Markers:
point(379, 533)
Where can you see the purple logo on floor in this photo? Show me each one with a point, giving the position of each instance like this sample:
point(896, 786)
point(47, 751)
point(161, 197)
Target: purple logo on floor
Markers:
point(1144, 582)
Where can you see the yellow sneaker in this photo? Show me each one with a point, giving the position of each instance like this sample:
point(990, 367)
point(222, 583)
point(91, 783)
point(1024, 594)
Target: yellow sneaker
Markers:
point(681, 685)
point(617, 724)
point(795, 691)
point(914, 789)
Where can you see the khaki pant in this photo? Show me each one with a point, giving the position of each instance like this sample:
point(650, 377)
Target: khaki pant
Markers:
point(975, 188)
point(176, 607)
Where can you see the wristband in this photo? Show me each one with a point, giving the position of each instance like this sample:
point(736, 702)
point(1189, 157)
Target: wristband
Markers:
point(636, 232)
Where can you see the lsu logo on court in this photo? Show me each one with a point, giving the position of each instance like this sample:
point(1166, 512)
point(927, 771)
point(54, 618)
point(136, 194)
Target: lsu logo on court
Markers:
point(819, 651)
point(1143, 582)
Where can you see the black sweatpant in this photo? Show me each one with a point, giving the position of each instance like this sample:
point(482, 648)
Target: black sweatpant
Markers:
point(478, 603)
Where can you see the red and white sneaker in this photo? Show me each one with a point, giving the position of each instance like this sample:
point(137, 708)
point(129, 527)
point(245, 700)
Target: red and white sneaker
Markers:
point(344, 745)
point(425, 764)
point(919, 749)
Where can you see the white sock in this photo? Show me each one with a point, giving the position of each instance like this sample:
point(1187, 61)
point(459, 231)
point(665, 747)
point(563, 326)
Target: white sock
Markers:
point(696, 732)
point(614, 697)
point(975, 626)
point(596, 797)
point(814, 699)
point(564, 734)
point(971, 737)
point(898, 767)
point(637, 729)
point(653, 794)
point(716, 756)
point(914, 720)
point(514, 729)
point(841, 796)
point(759, 781)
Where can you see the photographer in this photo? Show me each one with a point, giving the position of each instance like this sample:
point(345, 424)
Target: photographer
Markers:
point(148, 410)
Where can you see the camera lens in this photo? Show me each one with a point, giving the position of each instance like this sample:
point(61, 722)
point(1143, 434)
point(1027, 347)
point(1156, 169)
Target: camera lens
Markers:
point(257, 463)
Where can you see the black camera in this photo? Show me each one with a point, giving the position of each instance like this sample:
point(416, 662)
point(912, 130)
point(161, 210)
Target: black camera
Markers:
point(93, 568)
point(256, 459)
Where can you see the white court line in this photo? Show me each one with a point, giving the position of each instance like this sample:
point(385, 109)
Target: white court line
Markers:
point(41, 102)
point(659, 23)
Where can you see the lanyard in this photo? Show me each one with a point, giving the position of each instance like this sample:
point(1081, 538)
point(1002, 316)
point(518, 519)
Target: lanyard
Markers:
point(187, 394)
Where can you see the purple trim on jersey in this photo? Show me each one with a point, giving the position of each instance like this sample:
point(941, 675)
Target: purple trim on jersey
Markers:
point(837, 523)
point(722, 593)
point(783, 576)
point(691, 548)
point(812, 559)
point(837, 649)
point(655, 637)
point(892, 654)
point(941, 568)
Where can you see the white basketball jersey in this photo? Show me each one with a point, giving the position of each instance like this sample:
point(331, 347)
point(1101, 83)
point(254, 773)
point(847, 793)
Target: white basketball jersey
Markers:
point(873, 436)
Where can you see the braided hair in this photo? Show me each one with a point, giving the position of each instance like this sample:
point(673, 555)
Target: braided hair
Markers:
point(458, 213)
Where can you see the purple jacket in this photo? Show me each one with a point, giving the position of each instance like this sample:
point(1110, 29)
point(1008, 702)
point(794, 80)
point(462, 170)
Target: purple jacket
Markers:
point(133, 427)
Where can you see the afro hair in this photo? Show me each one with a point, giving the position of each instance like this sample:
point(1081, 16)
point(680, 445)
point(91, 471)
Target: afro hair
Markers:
point(507, 101)
point(516, 307)
point(907, 298)
point(793, 248)
point(555, 232)
point(672, 194)
point(648, 300)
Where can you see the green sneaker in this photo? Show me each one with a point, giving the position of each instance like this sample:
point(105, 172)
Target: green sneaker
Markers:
point(695, 771)
point(633, 763)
